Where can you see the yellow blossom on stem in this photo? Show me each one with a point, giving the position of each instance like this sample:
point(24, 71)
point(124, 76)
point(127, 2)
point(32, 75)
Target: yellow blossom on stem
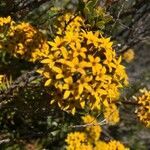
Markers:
point(66, 86)
point(111, 114)
point(83, 67)
point(109, 60)
point(91, 37)
point(93, 130)
point(76, 66)
point(143, 108)
point(95, 64)
point(78, 50)
point(72, 37)
point(105, 43)
point(129, 55)
point(83, 83)
point(76, 141)
point(116, 145)
point(101, 145)
point(89, 138)
point(4, 21)
point(24, 41)
point(102, 76)
point(56, 45)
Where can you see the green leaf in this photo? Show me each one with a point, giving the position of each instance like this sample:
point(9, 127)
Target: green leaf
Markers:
point(91, 4)
point(100, 24)
point(89, 7)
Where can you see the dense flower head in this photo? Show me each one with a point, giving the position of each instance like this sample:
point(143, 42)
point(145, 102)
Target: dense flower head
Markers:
point(24, 41)
point(111, 114)
point(5, 21)
point(101, 145)
point(77, 141)
point(89, 138)
point(70, 23)
point(93, 129)
point(143, 108)
point(129, 55)
point(111, 145)
point(82, 67)
point(116, 145)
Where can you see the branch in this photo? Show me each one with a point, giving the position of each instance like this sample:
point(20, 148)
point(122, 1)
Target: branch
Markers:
point(20, 6)
point(4, 141)
point(17, 85)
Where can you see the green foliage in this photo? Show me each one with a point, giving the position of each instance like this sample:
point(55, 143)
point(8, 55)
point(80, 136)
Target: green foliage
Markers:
point(5, 84)
point(95, 15)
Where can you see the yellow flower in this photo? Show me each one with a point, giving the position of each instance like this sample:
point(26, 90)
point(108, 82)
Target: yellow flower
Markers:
point(76, 66)
point(102, 76)
point(91, 38)
point(49, 60)
point(75, 141)
point(120, 71)
point(105, 43)
point(4, 21)
point(57, 44)
point(86, 147)
point(101, 145)
point(128, 55)
point(88, 139)
point(72, 37)
point(64, 52)
point(109, 60)
point(20, 48)
point(66, 86)
point(78, 50)
point(83, 83)
point(93, 130)
point(95, 64)
point(111, 114)
point(143, 108)
point(79, 64)
point(84, 69)
point(112, 91)
point(24, 41)
point(69, 23)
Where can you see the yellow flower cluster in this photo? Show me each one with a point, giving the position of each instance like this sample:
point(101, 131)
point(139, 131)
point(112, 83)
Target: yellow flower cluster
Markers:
point(89, 138)
point(143, 108)
point(101, 145)
point(5, 21)
point(77, 141)
point(82, 67)
point(93, 131)
point(112, 145)
point(116, 145)
point(129, 55)
point(5, 24)
point(111, 114)
point(69, 26)
point(24, 41)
